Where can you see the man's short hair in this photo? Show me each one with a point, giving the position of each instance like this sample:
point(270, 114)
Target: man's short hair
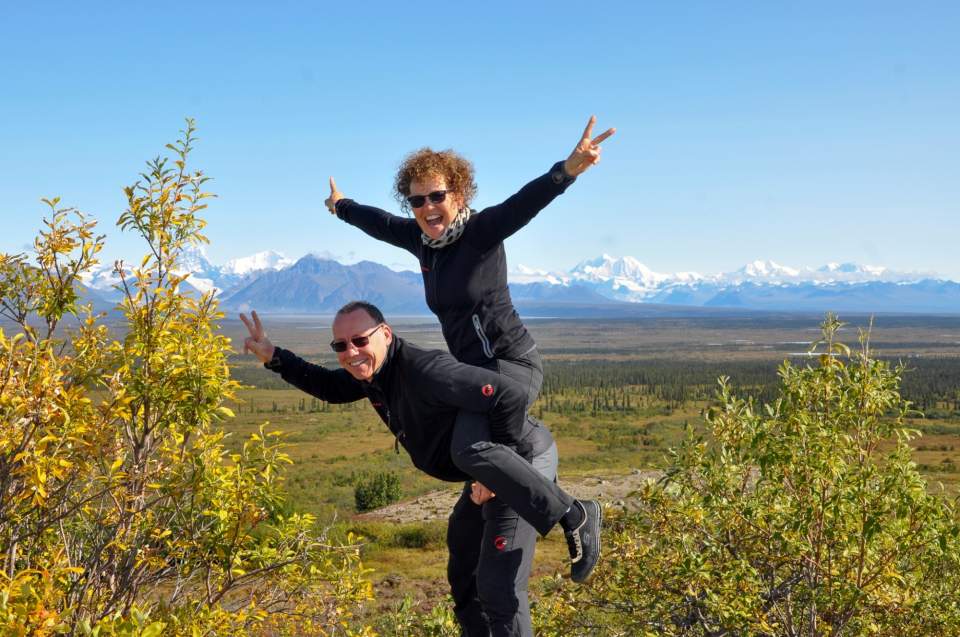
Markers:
point(372, 310)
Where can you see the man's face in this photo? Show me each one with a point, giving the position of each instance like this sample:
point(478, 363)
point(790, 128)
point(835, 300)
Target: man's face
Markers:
point(362, 362)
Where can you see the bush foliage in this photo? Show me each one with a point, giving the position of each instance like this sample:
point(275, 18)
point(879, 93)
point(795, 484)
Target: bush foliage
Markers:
point(372, 491)
point(121, 511)
point(804, 517)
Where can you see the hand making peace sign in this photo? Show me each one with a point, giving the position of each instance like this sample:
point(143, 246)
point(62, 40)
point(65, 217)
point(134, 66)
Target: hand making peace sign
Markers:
point(587, 151)
point(257, 343)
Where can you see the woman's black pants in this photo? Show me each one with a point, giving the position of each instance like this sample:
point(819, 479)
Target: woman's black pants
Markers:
point(492, 546)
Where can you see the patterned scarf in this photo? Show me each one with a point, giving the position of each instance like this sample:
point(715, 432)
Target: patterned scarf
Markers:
point(451, 233)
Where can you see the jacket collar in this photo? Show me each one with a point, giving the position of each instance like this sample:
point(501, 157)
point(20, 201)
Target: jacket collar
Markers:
point(382, 376)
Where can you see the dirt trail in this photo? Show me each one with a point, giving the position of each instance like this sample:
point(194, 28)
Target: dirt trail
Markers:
point(437, 505)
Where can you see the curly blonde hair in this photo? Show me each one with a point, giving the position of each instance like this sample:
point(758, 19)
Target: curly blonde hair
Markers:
point(424, 163)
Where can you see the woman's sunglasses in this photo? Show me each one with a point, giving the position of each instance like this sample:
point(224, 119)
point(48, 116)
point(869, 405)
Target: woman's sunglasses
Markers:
point(417, 201)
point(358, 341)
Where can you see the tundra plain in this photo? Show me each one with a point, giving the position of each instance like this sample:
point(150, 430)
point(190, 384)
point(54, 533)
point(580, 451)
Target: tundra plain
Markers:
point(617, 395)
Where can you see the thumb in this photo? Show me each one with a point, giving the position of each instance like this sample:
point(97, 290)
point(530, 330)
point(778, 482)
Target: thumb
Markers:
point(333, 186)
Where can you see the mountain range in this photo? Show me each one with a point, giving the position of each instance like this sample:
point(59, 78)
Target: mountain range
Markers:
point(269, 281)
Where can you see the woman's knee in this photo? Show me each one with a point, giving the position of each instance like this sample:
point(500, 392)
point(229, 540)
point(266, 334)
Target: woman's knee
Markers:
point(466, 458)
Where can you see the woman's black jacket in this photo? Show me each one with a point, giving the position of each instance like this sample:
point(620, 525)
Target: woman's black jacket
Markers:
point(466, 281)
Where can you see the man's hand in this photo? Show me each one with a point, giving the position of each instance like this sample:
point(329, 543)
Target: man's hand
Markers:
point(335, 196)
point(587, 151)
point(480, 494)
point(257, 343)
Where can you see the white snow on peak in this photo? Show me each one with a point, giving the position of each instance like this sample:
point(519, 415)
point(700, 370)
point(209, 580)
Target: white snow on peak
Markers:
point(628, 269)
point(100, 277)
point(759, 271)
point(203, 275)
point(194, 259)
point(204, 285)
point(767, 270)
point(626, 278)
point(852, 268)
point(688, 277)
point(833, 272)
point(266, 260)
point(525, 274)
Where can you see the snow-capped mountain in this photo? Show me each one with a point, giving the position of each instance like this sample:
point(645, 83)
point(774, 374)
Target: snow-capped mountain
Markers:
point(761, 272)
point(103, 279)
point(267, 260)
point(271, 281)
point(315, 284)
point(523, 274)
point(626, 268)
point(758, 285)
point(632, 272)
point(624, 279)
point(770, 272)
point(204, 275)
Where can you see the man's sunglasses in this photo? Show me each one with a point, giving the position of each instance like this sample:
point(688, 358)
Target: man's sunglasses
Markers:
point(417, 201)
point(358, 341)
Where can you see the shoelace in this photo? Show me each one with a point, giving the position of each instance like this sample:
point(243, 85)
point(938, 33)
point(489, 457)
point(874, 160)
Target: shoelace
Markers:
point(575, 544)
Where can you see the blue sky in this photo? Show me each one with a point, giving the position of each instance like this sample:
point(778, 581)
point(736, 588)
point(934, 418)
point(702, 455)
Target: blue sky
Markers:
point(799, 132)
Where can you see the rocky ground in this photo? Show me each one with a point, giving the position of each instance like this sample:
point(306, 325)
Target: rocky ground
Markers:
point(437, 505)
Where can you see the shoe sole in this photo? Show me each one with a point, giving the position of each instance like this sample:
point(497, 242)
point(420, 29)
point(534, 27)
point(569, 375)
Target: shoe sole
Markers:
point(599, 511)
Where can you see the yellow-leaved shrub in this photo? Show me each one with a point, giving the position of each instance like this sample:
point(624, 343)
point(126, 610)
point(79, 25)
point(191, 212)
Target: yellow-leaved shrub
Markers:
point(121, 510)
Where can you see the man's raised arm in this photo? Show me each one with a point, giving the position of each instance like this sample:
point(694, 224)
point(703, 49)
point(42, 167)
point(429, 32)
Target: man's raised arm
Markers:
point(333, 386)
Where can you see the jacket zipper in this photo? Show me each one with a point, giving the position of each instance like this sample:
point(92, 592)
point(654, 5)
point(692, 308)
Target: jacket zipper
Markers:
point(483, 337)
point(396, 436)
point(433, 276)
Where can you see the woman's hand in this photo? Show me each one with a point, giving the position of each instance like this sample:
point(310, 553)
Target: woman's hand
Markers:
point(480, 494)
point(587, 151)
point(335, 196)
point(257, 343)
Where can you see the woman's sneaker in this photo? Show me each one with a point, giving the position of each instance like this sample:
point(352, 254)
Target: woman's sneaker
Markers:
point(583, 541)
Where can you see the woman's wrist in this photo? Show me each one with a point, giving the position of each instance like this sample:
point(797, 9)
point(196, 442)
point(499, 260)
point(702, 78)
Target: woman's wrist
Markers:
point(561, 174)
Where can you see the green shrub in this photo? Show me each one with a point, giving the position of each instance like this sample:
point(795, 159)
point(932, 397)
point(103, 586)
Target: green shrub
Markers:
point(412, 537)
point(410, 619)
point(804, 516)
point(372, 491)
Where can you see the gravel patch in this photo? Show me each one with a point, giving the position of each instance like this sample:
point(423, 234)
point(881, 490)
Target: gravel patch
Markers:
point(436, 505)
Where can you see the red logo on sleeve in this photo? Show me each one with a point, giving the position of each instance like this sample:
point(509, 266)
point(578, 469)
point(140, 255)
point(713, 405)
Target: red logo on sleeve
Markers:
point(500, 542)
point(487, 390)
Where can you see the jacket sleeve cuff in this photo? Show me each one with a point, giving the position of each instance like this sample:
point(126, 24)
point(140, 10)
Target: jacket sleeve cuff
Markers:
point(342, 205)
point(558, 175)
point(275, 364)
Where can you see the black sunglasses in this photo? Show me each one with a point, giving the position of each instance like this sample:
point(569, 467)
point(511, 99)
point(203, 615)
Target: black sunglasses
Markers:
point(358, 341)
point(417, 201)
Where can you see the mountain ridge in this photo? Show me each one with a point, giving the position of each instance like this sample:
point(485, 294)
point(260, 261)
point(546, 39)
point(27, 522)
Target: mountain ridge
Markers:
point(315, 284)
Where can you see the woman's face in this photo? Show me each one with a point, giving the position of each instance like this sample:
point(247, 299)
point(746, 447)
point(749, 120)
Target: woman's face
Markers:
point(434, 218)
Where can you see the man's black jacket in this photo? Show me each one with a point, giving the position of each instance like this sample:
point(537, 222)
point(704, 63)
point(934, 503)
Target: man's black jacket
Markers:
point(466, 282)
point(418, 394)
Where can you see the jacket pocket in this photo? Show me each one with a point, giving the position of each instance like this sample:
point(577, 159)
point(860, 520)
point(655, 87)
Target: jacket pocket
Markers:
point(484, 342)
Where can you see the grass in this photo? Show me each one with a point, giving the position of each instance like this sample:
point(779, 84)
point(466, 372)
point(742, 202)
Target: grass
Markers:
point(332, 444)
